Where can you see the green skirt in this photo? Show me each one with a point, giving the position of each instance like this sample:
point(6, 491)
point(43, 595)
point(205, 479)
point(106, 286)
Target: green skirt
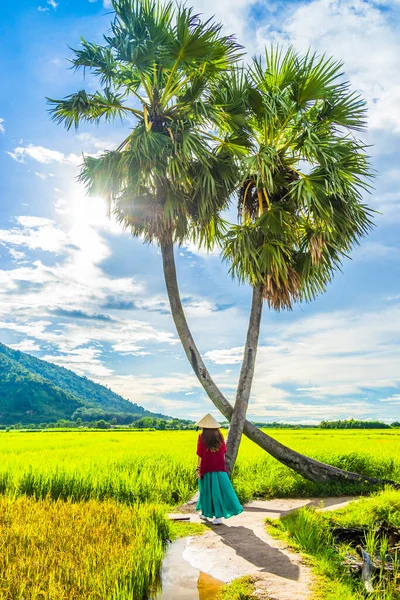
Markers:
point(217, 497)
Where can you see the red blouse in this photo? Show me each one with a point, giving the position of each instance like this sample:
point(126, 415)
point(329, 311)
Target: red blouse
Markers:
point(210, 461)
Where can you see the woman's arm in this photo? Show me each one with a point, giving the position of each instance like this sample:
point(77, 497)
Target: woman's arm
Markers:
point(199, 453)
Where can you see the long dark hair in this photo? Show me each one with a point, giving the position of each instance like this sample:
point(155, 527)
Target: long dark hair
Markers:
point(212, 439)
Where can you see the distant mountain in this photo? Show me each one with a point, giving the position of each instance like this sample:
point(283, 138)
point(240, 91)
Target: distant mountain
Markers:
point(36, 391)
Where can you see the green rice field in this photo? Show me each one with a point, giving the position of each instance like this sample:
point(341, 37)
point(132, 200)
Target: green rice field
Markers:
point(158, 466)
point(100, 499)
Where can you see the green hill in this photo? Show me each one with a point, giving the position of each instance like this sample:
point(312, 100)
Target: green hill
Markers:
point(36, 391)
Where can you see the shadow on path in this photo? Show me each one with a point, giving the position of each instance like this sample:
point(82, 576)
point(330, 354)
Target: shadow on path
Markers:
point(257, 552)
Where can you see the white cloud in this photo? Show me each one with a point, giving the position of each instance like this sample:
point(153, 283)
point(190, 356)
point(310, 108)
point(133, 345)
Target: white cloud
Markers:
point(52, 3)
point(203, 252)
point(35, 233)
point(335, 357)
point(36, 329)
point(200, 308)
point(15, 254)
point(387, 200)
point(395, 399)
point(383, 113)
point(44, 155)
point(129, 348)
point(61, 206)
point(155, 392)
point(2, 128)
point(156, 386)
point(30, 221)
point(318, 412)
point(230, 356)
point(91, 143)
point(10, 279)
point(43, 9)
point(82, 361)
point(375, 251)
point(234, 14)
point(26, 346)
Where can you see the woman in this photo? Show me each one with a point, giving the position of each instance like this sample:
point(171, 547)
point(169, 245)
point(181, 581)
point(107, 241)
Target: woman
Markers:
point(217, 497)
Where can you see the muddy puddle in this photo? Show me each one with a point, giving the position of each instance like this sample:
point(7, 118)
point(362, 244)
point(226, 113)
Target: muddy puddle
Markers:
point(181, 581)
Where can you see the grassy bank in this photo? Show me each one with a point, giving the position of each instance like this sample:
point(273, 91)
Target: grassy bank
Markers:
point(242, 588)
point(310, 532)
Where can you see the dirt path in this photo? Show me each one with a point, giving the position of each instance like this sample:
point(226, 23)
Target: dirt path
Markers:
point(241, 546)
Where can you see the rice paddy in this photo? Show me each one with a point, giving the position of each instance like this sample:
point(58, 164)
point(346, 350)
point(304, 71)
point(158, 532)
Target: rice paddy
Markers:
point(158, 466)
point(82, 513)
point(63, 550)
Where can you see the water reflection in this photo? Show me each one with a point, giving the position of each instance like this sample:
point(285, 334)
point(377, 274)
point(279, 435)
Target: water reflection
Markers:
point(208, 587)
point(181, 581)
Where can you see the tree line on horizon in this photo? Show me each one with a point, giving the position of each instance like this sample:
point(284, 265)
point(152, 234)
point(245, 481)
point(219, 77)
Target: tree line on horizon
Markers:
point(125, 422)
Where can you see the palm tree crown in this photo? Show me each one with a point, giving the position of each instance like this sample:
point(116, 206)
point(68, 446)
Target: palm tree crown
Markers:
point(300, 199)
point(160, 65)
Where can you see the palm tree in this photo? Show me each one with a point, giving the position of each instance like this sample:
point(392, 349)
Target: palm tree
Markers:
point(300, 201)
point(166, 181)
point(176, 170)
point(300, 213)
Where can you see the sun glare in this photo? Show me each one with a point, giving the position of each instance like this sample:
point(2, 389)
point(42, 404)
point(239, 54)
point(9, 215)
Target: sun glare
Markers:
point(82, 210)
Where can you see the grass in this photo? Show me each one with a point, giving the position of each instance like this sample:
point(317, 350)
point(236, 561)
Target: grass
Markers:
point(242, 588)
point(158, 467)
point(180, 529)
point(309, 531)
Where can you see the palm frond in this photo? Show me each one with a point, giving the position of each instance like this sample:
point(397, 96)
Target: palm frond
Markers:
point(300, 198)
point(100, 60)
point(90, 108)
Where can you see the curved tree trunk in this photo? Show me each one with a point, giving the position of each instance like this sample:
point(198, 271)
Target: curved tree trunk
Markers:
point(245, 379)
point(305, 466)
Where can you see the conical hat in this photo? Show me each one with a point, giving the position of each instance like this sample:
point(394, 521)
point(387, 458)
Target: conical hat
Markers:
point(208, 422)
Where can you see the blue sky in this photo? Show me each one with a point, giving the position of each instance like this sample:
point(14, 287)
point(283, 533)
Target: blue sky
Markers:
point(78, 291)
